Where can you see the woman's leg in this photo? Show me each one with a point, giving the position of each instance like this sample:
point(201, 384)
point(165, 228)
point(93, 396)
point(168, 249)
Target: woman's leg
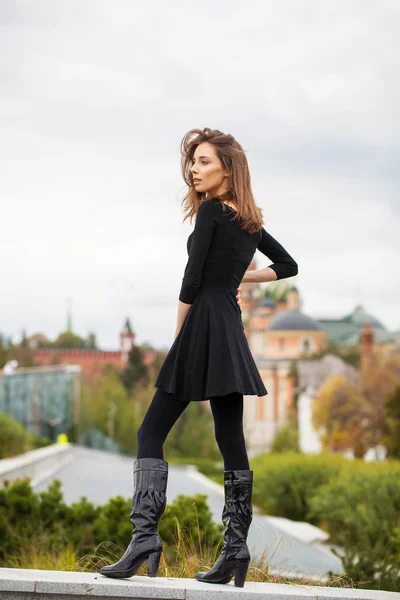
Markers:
point(228, 421)
point(161, 415)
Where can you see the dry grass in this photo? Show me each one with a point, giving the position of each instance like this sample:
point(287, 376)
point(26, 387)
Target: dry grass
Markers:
point(181, 560)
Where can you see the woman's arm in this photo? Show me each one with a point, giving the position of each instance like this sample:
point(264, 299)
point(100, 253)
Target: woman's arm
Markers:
point(283, 264)
point(259, 275)
point(183, 310)
point(202, 238)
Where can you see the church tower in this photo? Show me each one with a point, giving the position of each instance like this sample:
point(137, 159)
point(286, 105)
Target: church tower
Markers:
point(127, 340)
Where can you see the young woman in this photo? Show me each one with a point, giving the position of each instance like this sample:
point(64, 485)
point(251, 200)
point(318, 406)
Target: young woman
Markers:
point(210, 358)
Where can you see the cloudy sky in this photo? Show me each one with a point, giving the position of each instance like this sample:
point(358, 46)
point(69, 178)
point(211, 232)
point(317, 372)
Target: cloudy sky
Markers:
point(95, 99)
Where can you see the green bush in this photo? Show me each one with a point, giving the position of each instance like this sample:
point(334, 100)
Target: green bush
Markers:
point(287, 438)
point(25, 515)
point(37, 441)
point(13, 437)
point(285, 483)
point(361, 511)
point(194, 517)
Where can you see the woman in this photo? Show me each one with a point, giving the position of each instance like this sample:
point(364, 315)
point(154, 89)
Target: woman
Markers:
point(210, 358)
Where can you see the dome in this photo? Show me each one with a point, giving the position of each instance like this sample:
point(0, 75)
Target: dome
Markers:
point(291, 320)
point(359, 317)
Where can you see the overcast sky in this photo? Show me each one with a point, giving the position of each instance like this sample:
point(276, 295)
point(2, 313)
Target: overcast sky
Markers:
point(95, 99)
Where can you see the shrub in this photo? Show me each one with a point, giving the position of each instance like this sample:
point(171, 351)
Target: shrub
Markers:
point(285, 483)
point(286, 439)
point(13, 438)
point(361, 511)
point(44, 516)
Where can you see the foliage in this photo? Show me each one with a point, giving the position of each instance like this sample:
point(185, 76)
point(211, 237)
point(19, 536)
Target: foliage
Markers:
point(357, 502)
point(341, 412)
point(392, 423)
point(356, 416)
point(135, 372)
point(15, 439)
point(106, 405)
point(193, 515)
point(193, 434)
point(29, 517)
point(187, 549)
point(12, 436)
point(361, 511)
point(380, 378)
point(67, 339)
point(285, 483)
point(287, 438)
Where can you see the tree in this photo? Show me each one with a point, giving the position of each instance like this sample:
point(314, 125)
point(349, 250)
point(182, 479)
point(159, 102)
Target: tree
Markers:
point(193, 434)
point(91, 341)
point(380, 377)
point(358, 417)
point(135, 372)
point(107, 406)
point(340, 411)
point(392, 423)
point(67, 339)
point(287, 438)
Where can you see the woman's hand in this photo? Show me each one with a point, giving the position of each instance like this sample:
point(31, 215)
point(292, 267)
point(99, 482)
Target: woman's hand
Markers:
point(238, 298)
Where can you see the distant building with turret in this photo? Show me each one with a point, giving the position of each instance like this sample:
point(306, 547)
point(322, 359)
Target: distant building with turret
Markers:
point(282, 339)
point(92, 361)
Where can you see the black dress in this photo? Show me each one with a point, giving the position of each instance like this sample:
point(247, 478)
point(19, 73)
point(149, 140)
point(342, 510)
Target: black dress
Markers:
point(211, 356)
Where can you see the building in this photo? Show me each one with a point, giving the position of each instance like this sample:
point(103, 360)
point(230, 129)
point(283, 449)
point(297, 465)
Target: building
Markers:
point(92, 361)
point(282, 339)
point(278, 333)
point(346, 331)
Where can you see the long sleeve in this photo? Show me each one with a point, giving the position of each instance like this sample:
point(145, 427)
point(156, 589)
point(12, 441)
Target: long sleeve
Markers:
point(283, 264)
point(202, 237)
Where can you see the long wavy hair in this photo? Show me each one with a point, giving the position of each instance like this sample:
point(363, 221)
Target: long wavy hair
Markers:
point(238, 192)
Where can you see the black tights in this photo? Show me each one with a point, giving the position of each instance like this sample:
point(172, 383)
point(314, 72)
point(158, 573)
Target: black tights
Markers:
point(164, 411)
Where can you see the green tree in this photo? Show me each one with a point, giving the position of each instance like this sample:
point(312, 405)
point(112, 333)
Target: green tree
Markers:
point(67, 339)
point(135, 372)
point(287, 438)
point(105, 404)
point(193, 434)
point(91, 341)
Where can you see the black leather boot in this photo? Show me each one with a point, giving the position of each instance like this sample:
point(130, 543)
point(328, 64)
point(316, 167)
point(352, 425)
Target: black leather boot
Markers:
point(237, 515)
point(150, 476)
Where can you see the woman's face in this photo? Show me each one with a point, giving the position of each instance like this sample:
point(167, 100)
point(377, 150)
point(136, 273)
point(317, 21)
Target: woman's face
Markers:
point(207, 167)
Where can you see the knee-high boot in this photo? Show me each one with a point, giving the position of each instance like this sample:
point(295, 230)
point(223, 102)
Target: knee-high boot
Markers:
point(150, 476)
point(237, 516)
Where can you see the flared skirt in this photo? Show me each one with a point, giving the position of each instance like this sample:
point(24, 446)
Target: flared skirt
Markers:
point(211, 356)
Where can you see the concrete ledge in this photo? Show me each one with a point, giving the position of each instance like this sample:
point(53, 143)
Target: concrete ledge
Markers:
point(36, 464)
point(27, 584)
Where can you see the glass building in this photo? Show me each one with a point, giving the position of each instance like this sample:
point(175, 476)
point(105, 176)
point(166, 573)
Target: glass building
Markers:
point(44, 399)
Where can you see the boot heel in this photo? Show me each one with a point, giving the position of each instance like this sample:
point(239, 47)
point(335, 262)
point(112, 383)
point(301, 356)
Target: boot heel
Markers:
point(240, 574)
point(154, 561)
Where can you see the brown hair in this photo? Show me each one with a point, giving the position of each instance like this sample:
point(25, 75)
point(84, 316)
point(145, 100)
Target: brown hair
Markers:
point(239, 192)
